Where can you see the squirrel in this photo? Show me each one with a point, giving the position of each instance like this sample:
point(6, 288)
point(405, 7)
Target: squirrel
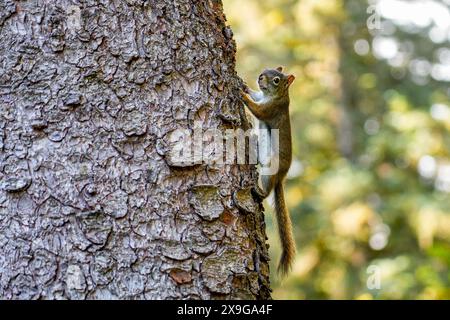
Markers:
point(270, 105)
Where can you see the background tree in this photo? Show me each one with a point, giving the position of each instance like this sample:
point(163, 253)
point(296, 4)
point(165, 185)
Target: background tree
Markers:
point(90, 204)
point(369, 188)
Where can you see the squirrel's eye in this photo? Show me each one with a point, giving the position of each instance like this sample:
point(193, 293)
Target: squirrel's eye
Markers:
point(261, 77)
point(276, 80)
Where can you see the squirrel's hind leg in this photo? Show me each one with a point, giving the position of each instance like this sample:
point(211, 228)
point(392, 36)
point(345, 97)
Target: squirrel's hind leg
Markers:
point(268, 183)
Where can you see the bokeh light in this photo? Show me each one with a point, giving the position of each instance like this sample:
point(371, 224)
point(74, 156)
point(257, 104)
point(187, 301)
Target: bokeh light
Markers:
point(369, 188)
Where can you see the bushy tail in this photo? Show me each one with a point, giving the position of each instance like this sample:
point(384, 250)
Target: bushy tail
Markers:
point(285, 231)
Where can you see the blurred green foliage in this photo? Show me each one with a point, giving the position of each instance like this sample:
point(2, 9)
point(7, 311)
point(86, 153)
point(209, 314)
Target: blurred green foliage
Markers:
point(369, 189)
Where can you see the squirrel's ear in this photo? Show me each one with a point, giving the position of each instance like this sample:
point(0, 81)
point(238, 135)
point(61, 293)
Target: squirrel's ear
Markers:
point(290, 79)
point(280, 69)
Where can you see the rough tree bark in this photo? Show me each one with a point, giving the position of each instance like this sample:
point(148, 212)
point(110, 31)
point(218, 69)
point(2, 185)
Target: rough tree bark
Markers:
point(90, 206)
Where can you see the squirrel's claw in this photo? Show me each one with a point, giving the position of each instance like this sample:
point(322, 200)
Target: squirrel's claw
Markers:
point(245, 88)
point(245, 96)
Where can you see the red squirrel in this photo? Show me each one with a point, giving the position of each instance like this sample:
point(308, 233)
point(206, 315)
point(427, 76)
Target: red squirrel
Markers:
point(270, 105)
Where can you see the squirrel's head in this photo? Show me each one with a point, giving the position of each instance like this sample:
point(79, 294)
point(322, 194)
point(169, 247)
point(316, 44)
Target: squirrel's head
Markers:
point(273, 82)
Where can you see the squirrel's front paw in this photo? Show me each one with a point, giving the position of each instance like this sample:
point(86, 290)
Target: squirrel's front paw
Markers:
point(245, 96)
point(245, 88)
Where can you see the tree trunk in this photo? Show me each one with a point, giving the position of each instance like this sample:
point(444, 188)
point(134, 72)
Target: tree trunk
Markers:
point(91, 205)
